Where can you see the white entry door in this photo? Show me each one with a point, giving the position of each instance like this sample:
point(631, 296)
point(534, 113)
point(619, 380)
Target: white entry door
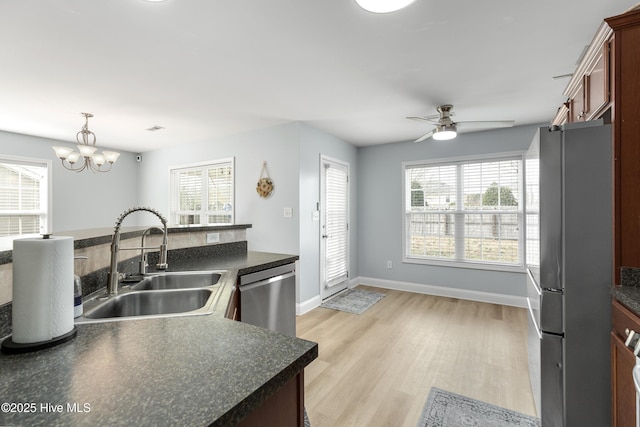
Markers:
point(334, 226)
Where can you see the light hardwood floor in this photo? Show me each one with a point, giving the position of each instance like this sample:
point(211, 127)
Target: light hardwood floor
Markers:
point(376, 369)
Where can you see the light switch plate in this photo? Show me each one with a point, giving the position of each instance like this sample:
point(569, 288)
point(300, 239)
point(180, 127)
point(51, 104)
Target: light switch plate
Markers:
point(288, 212)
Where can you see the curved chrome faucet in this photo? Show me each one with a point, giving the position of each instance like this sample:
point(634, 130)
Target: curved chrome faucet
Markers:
point(142, 264)
point(112, 277)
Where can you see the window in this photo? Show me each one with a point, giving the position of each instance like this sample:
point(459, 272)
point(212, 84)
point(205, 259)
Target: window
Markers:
point(24, 196)
point(464, 211)
point(202, 194)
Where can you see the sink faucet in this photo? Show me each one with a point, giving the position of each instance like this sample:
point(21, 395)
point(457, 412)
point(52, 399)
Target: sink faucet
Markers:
point(112, 277)
point(142, 269)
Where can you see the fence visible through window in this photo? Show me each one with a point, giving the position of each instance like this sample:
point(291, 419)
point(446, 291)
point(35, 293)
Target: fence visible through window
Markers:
point(464, 211)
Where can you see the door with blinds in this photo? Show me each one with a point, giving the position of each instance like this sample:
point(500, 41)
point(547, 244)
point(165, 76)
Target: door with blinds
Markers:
point(334, 226)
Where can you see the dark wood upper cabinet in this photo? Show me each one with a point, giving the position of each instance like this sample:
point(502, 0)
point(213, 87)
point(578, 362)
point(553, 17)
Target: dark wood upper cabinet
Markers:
point(589, 90)
point(597, 93)
point(625, 60)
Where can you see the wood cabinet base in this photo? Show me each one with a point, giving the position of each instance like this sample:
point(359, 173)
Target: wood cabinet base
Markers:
point(623, 391)
point(284, 409)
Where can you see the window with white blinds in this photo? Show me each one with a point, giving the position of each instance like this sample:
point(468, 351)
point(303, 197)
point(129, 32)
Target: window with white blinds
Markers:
point(336, 223)
point(24, 196)
point(466, 211)
point(203, 194)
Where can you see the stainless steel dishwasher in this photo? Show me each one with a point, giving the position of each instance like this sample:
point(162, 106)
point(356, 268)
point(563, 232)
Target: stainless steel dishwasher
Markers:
point(268, 299)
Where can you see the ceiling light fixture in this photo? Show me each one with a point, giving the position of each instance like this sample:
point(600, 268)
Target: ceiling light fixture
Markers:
point(383, 6)
point(445, 132)
point(87, 150)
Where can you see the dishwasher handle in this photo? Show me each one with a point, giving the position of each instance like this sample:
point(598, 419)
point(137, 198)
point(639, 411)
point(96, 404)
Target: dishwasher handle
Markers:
point(267, 281)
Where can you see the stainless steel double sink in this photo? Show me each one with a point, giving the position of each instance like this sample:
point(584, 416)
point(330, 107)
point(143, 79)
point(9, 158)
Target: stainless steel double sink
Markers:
point(167, 294)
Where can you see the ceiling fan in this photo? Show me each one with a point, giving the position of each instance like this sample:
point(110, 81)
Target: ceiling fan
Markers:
point(445, 128)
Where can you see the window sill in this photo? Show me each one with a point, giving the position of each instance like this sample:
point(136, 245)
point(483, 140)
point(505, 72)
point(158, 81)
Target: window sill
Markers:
point(467, 264)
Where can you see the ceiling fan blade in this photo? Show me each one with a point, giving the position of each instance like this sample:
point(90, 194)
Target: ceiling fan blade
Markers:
point(425, 136)
point(485, 125)
point(433, 119)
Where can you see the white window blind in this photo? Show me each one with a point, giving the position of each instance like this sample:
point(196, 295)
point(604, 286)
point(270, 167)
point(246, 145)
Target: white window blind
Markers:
point(203, 194)
point(24, 197)
point(466, 211)
point(337, 223)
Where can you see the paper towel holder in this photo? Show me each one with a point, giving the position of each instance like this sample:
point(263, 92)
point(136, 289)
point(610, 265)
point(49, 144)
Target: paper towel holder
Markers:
point(10, 347)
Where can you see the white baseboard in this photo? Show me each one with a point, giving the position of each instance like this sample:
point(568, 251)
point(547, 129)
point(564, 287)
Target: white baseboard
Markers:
point(442, 291)
point(308, 305)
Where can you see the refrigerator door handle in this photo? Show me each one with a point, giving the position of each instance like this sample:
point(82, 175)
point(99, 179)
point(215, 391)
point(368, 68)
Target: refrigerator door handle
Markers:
point(533, 282)
point(534, 320)
point(551, 311)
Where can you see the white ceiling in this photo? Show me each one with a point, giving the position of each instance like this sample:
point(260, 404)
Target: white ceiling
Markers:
point(204, 69)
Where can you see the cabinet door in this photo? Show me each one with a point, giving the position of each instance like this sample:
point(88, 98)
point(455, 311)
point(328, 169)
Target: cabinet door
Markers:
point(626, 102)
point(597, 84)
point(623, 391)
point(577, 107)
point(623, 396)
point(562, 115)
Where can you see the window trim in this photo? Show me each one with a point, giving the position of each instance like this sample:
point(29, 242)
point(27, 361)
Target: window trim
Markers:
point(203, 211)
point(48, 223)
point(519, 268)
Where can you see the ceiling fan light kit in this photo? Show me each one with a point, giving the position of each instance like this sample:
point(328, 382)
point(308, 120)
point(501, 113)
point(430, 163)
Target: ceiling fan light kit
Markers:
point(383, 6)
point(444, 132)
point(445, 128)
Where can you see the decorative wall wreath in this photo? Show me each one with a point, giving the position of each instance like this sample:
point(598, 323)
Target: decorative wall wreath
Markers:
point(265, 185)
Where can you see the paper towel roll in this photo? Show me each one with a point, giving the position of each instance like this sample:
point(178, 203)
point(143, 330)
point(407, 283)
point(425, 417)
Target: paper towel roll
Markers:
point(42, 289)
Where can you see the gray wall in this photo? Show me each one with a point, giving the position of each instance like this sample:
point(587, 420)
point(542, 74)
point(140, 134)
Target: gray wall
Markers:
point(380, 210)
point(278, 146)
point(80, 200)
point(314, 143)
point(292, 151)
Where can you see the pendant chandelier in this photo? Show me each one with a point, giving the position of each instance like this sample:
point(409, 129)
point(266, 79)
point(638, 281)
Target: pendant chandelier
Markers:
point(87, 151)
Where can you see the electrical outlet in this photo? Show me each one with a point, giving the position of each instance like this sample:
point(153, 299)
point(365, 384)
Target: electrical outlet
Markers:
point(315, 216)
point(389, 264)
point(213, 237)
point(288, 212)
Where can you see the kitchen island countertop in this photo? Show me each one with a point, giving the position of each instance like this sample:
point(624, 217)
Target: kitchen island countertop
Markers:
point(198, 370)
point(628, 296)
point(628, 293)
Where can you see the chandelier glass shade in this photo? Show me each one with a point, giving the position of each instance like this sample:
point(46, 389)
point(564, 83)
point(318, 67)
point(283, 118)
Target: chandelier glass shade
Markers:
point(90, 159)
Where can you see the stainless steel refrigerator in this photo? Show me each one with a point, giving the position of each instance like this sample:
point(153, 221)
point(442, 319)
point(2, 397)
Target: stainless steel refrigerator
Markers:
point(568, 208)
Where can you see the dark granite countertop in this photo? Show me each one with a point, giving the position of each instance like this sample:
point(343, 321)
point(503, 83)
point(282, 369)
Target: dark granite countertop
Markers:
point(199, 370)
point(628, 293)
point(629, 296)
point(97, 236)
point(244, 262)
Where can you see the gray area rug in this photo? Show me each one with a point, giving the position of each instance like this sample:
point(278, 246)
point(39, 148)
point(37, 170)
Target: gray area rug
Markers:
point(446, 409)
point(355, 301)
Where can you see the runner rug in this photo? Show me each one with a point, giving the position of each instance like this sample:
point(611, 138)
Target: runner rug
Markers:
point(446, 409)
point(355, 301)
